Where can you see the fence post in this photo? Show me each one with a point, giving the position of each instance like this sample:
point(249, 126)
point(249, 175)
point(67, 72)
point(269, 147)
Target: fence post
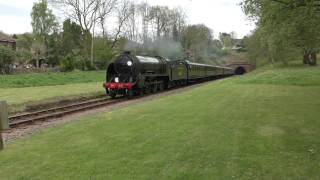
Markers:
point(1, 141)
point(4, 122)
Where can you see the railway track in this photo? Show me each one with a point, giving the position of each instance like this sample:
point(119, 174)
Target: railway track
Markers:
point(57, 112)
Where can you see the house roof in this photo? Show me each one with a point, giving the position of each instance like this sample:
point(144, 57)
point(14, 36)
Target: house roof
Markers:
point(5, 37)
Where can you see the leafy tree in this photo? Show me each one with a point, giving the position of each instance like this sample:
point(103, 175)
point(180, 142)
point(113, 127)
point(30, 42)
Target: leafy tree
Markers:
point(71, 37)
point(43, 22)
point(226, 40)
point(196, 41)
point(287, 24)
point(24, 41)
point(103, 53)
point(23, 56)
point(54, 49)
point(24, 46)
point(7, 56)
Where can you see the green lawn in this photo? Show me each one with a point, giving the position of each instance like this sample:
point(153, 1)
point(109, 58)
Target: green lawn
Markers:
point(50, 79)
point(19, 98)
point(32, 89)
point(238, 128)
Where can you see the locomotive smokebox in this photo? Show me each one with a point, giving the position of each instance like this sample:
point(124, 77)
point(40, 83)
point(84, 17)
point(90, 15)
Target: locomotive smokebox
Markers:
point(124, 64)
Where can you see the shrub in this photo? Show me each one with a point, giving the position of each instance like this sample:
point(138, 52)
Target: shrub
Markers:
point(67, 63)
point(24, 56)
point(7, 56)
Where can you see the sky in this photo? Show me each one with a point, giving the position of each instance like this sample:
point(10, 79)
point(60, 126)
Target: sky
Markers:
point(219, 15)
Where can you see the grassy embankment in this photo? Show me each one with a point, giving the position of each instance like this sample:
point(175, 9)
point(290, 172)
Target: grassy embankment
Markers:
point(264, 125)
point(29, 89)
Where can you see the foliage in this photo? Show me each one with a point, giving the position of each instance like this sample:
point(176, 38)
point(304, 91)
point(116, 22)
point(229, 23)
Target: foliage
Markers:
point(7, 56)
point(189, 135)
point(103, 53)
point(25, 41)
point(155, 30)
point(68, 63)
point(54, 49)
point(43, 21)
point(71, 37)
point(226, 40)
point(39, 50)
point(196, 41)
point(43, 24)
point(286, 25)
point(23, 56)
point(257, 49)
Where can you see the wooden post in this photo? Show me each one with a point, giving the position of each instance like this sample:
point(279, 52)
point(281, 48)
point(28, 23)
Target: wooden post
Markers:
point(1, 141)
point(4, 123)
point(4, 115)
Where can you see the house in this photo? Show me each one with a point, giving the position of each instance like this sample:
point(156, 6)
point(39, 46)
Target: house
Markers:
point(6, 40)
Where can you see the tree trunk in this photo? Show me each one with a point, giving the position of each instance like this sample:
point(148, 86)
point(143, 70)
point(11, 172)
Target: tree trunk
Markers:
point(306, 57)
point(310, 58)
point(37, 61)
point(313, 58)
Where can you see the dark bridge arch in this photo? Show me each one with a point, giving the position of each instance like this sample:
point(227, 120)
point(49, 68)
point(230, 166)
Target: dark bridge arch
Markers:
point(240, 70)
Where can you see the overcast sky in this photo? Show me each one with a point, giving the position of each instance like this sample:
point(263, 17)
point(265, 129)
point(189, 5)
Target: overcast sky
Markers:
point(219, 15)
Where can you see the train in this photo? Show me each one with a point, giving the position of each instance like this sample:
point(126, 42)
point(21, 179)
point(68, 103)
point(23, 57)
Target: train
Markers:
point(131, 74)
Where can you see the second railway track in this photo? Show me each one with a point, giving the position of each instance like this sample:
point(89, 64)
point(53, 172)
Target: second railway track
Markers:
point(56, 112)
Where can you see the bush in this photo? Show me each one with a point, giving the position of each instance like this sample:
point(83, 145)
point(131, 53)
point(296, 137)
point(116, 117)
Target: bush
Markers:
point(67, 63)
point(7, 56)
point(24, 56)
point(103, 54)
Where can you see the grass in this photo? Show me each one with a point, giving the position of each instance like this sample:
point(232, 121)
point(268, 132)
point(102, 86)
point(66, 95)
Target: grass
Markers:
point(237, 128)
point(50, 79)
point(19, 98)
point(298, 75)
point(40, 88)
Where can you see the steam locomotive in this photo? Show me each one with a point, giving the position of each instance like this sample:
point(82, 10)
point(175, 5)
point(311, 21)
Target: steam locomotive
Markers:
point(130, 75)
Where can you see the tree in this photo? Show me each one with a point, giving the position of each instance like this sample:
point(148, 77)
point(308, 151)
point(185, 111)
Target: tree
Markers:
point(105, 9)
point(71, 37)
point(103, 53)
point(196, 41)
point(123, 14)
point(226, 39)
point(287, 24)
point(178, 22)
point(38, 51)
point(54, 49)
point(84, 12)
point(43, 22)
point(7, 56)
point(24, 41)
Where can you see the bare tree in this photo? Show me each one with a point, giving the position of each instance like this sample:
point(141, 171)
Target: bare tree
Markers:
point(160, 15)
point(81, 11)
point(178, 22)
point(123, 14)
point(106, 8)
point(144, 11)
